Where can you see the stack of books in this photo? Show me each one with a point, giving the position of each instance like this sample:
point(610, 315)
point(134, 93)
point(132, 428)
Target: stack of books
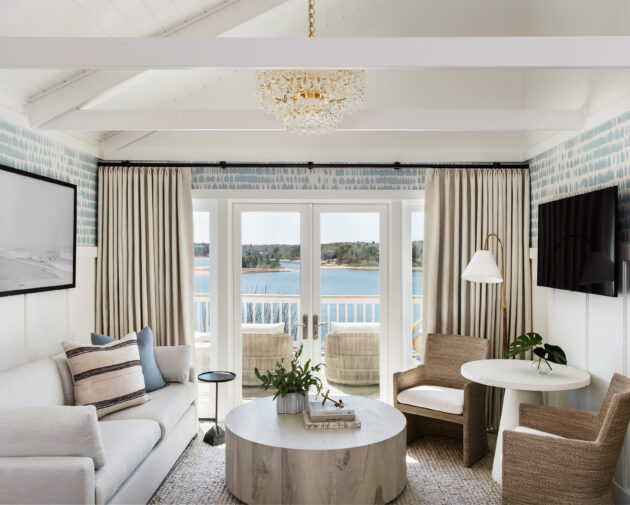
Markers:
point(324, 417)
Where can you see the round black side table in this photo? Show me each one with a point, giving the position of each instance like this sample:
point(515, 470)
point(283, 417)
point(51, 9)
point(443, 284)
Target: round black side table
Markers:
point(215, 435)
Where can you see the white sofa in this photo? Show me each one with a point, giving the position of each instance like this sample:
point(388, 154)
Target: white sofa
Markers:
point(54, 453)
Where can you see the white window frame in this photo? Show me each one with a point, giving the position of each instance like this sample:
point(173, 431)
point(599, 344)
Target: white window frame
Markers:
point(398, 204)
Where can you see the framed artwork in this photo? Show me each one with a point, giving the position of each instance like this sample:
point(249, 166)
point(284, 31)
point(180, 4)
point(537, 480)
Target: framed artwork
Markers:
point(38, 223)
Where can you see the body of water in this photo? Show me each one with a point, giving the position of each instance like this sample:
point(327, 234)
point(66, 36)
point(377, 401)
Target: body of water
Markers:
point(334, 281)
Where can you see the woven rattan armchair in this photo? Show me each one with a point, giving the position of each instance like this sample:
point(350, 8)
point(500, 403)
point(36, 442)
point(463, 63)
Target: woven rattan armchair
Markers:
point(575, 469)
point(262, 351)
point(353, 358)
point(444, 357)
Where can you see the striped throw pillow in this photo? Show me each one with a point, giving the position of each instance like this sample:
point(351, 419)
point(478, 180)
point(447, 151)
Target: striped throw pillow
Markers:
point(107, 376)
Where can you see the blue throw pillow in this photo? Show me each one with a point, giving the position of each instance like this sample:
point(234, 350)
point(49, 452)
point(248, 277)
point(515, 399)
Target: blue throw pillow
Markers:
point(152, 377)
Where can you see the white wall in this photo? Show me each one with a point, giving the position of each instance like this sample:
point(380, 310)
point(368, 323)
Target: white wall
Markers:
point(33, 325)
point(594, 331)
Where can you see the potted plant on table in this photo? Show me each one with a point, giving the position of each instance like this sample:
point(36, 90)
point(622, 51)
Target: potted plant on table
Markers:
point(291, 385)
point(546, 353)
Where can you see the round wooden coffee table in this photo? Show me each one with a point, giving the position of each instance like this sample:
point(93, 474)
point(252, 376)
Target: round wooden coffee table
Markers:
point(272, 458)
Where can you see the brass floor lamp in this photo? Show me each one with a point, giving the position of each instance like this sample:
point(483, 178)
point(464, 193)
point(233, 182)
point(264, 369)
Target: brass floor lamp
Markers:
point(483, 268)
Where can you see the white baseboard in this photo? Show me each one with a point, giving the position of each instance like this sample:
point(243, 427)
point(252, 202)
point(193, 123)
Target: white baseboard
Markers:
point(622, 495)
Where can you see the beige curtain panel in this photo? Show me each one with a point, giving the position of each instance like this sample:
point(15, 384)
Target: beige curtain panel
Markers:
point(462, 206)
point(145, 252)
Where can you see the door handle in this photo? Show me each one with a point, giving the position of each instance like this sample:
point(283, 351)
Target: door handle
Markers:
point(304, 326)
point(316, 325)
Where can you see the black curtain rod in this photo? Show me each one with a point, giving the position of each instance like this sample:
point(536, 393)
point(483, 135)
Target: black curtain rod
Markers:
point(310, 165)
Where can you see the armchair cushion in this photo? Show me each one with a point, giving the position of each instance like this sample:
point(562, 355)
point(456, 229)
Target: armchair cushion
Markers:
point(263, 328)
point(51, 431)
point(525, 429)
point(337, 327)
point(440, 398)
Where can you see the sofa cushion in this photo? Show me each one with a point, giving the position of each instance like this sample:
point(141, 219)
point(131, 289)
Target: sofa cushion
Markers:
point(153, 379)
point(166, 407)
point(126, 444)
point(174, 362)
point(532, 431)
point(435, 398)
point(31, 385)
point(109, 376)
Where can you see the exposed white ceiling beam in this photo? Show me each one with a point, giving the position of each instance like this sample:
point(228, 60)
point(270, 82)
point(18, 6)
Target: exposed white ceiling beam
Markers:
point(367, 53)
point(78, 92)
point(362, 120)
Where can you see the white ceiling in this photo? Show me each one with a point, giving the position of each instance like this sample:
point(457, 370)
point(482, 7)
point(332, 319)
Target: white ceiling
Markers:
point(44, 95)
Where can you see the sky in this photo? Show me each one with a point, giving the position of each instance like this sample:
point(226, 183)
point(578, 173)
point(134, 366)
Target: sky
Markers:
point(35, 214)
point(284, 227)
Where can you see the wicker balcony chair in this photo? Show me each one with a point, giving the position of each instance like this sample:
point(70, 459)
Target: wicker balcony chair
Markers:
point(262, 351)
point(353, 358)
point(437, 400)
point(574, 459)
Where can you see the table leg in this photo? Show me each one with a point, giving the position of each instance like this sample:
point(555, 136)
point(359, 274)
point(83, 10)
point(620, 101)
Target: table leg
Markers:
point(215, 435)
point(509, 420)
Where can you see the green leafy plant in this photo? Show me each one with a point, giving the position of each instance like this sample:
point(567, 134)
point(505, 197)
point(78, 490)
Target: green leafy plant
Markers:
point(532, 340)
point(297, 379)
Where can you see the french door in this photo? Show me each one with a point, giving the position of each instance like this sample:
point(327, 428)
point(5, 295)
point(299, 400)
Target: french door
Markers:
point(311, 275)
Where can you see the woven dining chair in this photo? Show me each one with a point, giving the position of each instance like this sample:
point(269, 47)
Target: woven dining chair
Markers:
point(576, 464)
point(437, 400)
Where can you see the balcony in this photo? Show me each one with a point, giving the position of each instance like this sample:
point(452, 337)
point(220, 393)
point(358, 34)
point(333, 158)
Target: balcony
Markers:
point(266, 308)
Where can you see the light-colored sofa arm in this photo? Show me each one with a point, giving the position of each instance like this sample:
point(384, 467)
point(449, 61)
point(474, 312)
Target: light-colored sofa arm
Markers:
point(52, 431)
point(47, 480)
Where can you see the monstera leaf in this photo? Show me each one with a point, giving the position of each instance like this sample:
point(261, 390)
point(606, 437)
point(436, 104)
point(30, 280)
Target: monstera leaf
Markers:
point(523, 343)
point(551, 353)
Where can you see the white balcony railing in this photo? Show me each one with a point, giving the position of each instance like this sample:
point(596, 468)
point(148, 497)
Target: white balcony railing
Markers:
point(265, 308)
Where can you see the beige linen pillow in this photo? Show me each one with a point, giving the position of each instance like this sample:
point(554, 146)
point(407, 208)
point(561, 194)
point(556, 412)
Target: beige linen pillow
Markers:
point(107, 376)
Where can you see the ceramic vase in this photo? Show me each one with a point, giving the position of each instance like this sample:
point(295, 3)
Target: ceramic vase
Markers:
point(291, 403)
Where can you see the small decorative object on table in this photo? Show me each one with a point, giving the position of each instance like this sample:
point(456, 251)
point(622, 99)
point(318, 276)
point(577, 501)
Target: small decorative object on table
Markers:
point(321, 417)
point(291, 385)
point(546, 353)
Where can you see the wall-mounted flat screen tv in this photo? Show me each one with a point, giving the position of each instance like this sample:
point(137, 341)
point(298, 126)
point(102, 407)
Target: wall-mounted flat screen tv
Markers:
point(37, 233)
point(577, 243)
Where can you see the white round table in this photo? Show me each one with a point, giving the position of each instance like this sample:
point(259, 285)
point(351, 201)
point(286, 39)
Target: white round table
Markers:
point(273, 458)
point(522, 385)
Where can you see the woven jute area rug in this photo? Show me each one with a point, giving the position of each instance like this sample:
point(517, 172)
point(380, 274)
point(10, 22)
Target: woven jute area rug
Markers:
point(435, 475)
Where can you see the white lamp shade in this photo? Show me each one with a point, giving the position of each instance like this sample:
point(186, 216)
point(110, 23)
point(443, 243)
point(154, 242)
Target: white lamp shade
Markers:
point(482, 268)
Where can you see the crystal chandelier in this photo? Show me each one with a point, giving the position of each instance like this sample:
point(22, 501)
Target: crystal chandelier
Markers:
point(310, 101)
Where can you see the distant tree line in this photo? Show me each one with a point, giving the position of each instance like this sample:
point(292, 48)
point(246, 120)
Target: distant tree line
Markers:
point(340, 253)
point(417, 253)
point(201, 250)
point(259, 260)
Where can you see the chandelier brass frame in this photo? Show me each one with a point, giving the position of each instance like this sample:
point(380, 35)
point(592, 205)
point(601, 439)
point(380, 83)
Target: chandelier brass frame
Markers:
point(310, 101)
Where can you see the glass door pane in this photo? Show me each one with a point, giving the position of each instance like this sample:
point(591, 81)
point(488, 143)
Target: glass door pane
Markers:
point(271, 276)
point(417, 262)
point(349, 301)
point(201, 303)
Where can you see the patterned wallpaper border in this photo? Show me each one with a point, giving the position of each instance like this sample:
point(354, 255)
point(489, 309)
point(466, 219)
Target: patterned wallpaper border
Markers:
point(595, 159)
point(27, 150)
point(301, 179)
